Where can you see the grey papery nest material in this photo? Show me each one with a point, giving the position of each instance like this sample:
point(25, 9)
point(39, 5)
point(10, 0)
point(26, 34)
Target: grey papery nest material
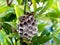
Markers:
point(27, 28)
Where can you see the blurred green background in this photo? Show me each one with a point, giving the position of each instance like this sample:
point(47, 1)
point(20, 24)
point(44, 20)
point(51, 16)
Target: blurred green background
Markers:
point(47, 13)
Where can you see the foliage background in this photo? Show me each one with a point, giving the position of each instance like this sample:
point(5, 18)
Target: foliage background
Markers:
point(47, 12)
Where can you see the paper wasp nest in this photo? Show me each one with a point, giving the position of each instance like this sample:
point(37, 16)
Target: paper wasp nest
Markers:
point(27, 28)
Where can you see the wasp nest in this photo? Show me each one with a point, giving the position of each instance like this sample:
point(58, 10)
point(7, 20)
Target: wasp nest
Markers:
point(27, 28)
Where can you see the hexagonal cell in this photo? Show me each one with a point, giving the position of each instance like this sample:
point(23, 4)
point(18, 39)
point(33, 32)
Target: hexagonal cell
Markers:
point(21, 33)
point(30, 27)
point(25, 35)
point(21, 17)
point(32, 19)
point(21, 25)
point(34, 32)
point(21, 30)
point(30, 33)
point(27, 16)
point(35, 28)
point(25, 30)
point(28, 21)
point(33, 24)
point(25, 23)
point(29, 38)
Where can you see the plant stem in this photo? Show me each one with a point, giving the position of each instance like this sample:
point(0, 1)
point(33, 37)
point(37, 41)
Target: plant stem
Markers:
point(9, 3)
point(21, 40)
point(25, 1)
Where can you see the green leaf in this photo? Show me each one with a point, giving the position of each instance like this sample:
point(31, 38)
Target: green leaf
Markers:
point(55, 13)
point(35, 41)
point(1, 38)
point(12, 24)
point(37, 1)
point(40, 39)
point(44, 37)
point(19, 1)
point(18, 42)
point(7, 28)
point(3, 8)
point(34, 4)
point(4, 38)
point(57, 40)
point(14, 35)
point(45, 32)
point(49, 3)
point(6, 12)
point(44, 1)
point(13, 40)
point(41, 27)
point(10, 17)
point(18, 11)
point(39, 8)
